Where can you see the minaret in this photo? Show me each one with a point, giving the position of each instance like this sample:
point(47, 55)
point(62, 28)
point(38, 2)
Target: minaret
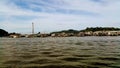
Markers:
point(32, 28)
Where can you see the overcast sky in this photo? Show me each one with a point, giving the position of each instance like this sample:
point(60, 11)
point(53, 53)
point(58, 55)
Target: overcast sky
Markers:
point(55, 15)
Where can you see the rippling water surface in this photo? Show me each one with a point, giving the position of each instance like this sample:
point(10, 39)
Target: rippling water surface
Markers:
point(69, 52)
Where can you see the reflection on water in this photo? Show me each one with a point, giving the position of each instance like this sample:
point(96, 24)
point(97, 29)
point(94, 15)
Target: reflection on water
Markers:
point(71, 52)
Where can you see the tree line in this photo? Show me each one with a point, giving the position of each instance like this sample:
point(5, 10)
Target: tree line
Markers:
point(93, 29)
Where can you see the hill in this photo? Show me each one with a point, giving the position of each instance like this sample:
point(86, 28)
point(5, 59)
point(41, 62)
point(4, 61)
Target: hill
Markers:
point(3, 33)
point(67, 31)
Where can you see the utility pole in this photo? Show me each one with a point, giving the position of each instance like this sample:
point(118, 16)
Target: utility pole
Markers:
point(32, 28)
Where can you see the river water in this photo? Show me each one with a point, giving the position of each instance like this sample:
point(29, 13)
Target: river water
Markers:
point(63, 52)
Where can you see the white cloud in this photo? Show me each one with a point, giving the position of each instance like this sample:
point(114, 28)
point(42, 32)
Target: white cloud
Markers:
point(108, 15)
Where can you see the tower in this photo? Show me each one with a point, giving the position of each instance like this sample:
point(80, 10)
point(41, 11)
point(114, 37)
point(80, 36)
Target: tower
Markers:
point(32, 28)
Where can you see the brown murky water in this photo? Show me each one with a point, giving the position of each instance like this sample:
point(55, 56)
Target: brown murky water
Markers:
point(69, 52)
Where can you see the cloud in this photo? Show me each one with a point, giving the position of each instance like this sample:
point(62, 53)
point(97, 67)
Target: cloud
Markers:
point(54, 15)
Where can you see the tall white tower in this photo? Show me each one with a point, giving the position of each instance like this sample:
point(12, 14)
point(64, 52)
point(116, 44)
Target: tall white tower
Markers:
point(32, 28)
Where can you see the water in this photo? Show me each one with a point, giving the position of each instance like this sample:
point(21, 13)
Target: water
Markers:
point(69, 52)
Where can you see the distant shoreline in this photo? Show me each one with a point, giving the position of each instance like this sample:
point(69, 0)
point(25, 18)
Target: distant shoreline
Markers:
point(92, 31)
point(67, 37)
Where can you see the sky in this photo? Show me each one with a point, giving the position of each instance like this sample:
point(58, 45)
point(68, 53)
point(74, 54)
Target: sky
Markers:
point(55, 15)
